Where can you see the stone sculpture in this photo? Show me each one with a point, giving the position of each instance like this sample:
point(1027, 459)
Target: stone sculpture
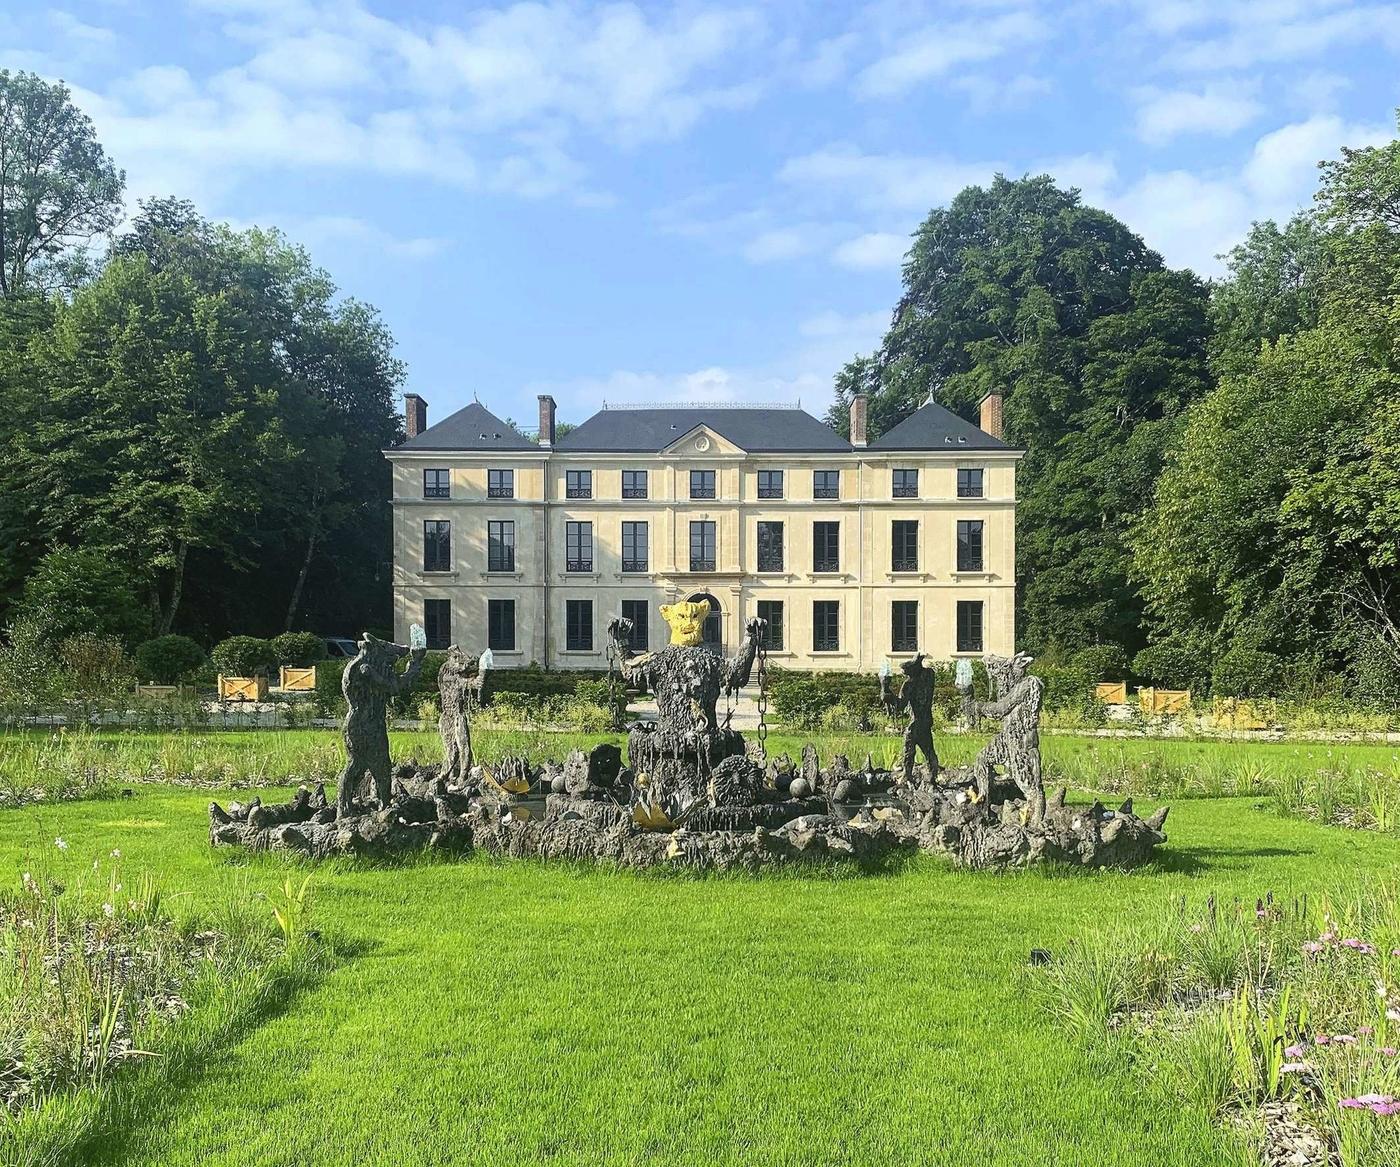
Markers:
point(457, 682)
point(368, 682)
point(674, 758)
point(1016, 746)
point(915, 697)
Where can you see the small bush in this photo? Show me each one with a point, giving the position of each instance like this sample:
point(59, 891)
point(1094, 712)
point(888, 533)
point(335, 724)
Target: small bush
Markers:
point(168, 660)
point(1102, 662)
point(244, 656)
point(329, 700)
point(298, 650)
point(1247, 672)
point(1172, 664)
point(95, 668)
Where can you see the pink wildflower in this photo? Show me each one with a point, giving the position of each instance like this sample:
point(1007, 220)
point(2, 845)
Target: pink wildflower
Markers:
point(1321, 1039)
point(1312, 947)
point(1292, 1067)
point(1389, 1050)
point(1344, 1039)
point(1295, 1051)
point(1365, 1030)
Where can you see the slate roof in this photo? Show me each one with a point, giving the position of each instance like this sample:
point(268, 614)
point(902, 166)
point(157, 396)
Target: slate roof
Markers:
point(932, 428)
point(756, 429)
point(472, 428)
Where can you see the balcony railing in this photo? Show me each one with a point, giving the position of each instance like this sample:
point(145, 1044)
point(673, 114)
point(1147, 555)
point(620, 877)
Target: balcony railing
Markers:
point(970, 563)
point(500, 492)
point(437, 492)
point(824, 564)
point(578, 492)
point(634, 492)
point(579, 565)
point(770, 563)
point(906, 490)
point(634, 565)
point(500, 563)
point(701, 564)
point(905, 563)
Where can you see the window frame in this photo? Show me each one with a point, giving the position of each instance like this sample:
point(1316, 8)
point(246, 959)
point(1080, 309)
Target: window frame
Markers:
point(964, 614)
point(904, 619)
point(768, 490)
point(967, 492)
point(971, 536)
point(705, 476)
point(633, 491)
point(765, 610)
point(826, 492)
point(571, 626)
point(824, 542)
point(577, 533)
point(437, 638)
point(506, 536)
point(899, 531)
point(578, 483)
point(635, 564)
point(493, 606)
point(640, 640)
point(698, 526)
point(441, 488)
point(828, 622)
point(503, 486)
point(759, 564)
point(443, 531)
point(900, 484)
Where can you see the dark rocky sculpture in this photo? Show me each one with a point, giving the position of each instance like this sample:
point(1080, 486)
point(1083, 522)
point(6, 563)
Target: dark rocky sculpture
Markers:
point(690, 795)
point(915, 698)
point(457, 682)
point(368, 682)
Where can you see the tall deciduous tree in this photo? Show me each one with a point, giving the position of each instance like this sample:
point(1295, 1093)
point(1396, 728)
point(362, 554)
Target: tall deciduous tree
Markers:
point(57, 188)
point(1020, 287)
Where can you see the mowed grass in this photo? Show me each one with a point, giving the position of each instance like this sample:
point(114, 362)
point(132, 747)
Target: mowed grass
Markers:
point(506, 1013)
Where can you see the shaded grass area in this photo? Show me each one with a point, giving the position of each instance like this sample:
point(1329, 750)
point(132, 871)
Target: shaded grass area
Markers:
point(497, 1013)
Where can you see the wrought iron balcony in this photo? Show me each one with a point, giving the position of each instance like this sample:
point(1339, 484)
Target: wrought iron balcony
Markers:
point(584, 565)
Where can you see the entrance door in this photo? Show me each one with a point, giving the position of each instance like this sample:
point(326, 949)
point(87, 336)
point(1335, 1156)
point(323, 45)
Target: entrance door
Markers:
point(712, 633)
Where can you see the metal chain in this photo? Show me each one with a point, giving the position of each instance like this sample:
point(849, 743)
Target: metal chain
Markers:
point(762, 701)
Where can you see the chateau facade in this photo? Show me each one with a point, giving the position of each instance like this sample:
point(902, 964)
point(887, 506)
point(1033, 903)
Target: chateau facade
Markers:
point(855, 553)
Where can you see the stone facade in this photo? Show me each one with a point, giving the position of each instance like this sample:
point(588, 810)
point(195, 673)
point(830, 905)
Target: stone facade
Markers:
point(547, 575)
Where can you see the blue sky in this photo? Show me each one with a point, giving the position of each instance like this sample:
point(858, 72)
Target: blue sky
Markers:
point(696, 201)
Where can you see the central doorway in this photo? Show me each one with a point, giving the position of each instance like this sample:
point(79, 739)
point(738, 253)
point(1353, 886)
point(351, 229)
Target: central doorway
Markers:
point(712, 633)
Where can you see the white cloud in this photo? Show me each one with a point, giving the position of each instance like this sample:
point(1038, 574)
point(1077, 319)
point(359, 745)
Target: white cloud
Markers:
point(781, 243)
point(903, 182)
point(875, 249)
point(1220, 109)
point(1256, 32)
point(938, 49)
point(361, 233)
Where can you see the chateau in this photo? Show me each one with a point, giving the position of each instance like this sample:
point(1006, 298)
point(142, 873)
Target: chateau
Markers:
point(854, 552)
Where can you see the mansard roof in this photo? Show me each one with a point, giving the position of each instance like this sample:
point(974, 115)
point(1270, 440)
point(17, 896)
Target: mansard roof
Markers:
point(756, 429)
point(932, 428)
point(472, 428)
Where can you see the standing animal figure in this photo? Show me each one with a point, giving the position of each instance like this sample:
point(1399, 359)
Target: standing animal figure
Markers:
point(368, 682)
point(915, 697)
point(1016, 746)
point(458, 680)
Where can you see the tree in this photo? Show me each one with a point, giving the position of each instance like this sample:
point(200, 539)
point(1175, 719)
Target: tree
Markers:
point(82, 591)
point(1098, 347)
point(57, 188)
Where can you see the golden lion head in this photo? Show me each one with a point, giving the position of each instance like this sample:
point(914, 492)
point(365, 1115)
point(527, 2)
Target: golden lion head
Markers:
point(686, 621)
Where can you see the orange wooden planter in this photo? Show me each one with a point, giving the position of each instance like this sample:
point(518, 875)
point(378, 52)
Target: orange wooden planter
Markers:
point(297, 680)
point(242, 688)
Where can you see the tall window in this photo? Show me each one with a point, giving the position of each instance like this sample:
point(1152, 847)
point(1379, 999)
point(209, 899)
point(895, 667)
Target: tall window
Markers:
point(578, 546)
point(826, 626)
point(904, 626)
point(771, 611)
point(770, 484)
point(578, 484)
point(437, 545)
point(970, 483)
point(578, 625)
point(634, 484)
point(500, 484)
point(970, 545)
point(770, 546)
point(826, 546)
point(634, 546)
point(500, 625)
point(904, 545)
point(702, 484)
point(500, 545)
point(905, 484)
point(826, 484)
point(637, 612)
point(969, 625)
point(702, 546)
point(437, 623)
point(437, 483)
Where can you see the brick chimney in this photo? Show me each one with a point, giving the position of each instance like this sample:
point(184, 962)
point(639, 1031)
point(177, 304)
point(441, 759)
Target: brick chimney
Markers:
point(415, 414)
point(991, 413)
point(546, 421)
point(860, 408)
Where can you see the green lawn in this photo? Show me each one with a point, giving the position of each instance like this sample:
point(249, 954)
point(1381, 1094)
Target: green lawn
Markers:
point(491, 1013)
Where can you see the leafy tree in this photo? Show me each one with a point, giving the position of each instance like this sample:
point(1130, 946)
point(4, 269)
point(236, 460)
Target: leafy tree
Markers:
point(82, 592)
point(167, 660)
point(1019, 287)
point(57, 187)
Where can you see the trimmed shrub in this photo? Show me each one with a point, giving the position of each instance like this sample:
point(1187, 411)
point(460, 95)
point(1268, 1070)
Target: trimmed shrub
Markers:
point(1102, 662)
point(168, 660)
point(1247, 672)
point(299, 650)
point(329, 700)
point(1172, 664)
point(244, 656)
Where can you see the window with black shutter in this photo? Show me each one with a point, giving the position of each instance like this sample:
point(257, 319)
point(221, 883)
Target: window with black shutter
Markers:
point(578, 546)
point(969, 625)
point(970, 545)
point(635, 551)
point(826, 547)
point(904, 626)
point(702, 545)
point(437, 623)
point(578, 625)
point(771, 611)
point(770, 546)
point(500, 545)
point(826, 625)
point(500, 625)
point(638, 611)
point(437, 545)
point(904, 545)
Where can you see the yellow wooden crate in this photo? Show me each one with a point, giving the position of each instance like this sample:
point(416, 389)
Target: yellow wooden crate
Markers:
point(1156, 702)
point(1112, 692)
point(242, 688)
point(158, 691)
point(297, 680)
point(1232, 713)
